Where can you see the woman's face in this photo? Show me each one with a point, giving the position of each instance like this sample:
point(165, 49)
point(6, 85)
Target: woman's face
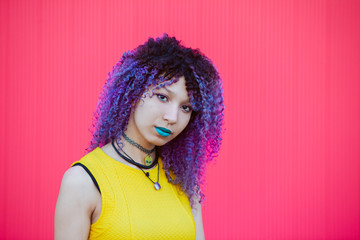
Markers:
point(158, 119)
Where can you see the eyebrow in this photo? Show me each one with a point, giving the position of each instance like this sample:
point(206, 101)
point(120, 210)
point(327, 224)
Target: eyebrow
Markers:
point(168, 90)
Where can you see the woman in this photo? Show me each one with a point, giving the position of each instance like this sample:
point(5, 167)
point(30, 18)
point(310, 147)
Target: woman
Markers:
point(158, 122)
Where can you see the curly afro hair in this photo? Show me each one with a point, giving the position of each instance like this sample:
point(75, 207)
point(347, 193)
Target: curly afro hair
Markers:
point(160, 62)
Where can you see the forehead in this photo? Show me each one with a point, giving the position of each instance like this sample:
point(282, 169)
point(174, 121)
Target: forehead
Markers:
point(174, 85)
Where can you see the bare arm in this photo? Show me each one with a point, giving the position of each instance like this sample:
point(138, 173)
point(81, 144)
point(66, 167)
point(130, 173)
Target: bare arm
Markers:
point(74, 206)
point(196, 211)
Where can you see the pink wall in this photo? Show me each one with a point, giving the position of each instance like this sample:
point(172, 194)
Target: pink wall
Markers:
point(289, 167)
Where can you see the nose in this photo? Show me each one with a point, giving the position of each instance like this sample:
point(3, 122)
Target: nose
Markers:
point(171, 114)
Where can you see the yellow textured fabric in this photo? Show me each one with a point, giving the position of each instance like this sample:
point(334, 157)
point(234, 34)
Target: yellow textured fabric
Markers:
point(132, 208)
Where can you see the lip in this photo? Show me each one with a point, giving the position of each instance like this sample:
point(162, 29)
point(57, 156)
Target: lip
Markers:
point(163, 131)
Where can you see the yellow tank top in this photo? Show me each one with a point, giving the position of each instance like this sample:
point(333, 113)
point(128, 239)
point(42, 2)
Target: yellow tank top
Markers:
point(132, 208)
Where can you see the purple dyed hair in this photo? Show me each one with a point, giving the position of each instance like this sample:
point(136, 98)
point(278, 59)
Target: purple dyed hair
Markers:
point(162, 61)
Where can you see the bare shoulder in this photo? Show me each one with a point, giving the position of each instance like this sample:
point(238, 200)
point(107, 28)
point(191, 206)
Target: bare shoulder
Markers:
point(78, 185)
point(76, 177)
point(75, 204)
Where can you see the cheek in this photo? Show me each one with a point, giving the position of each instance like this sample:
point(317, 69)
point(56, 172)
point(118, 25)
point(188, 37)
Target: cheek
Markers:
point(141, 117)
point(144, 109)
point(184, 122)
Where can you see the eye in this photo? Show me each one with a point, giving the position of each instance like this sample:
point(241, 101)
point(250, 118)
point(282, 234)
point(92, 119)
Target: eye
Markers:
point(187, 108)
point(161, 97)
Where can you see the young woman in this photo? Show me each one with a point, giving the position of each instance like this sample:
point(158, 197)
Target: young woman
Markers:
point(158, 122)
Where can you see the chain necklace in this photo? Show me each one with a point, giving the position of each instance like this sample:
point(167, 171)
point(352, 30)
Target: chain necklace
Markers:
point(140, 166)
point(148, 159)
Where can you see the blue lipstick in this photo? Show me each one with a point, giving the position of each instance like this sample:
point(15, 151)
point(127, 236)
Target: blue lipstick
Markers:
point(163, 131)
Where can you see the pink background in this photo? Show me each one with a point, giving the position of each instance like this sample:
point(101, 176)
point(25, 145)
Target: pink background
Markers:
point(289, 166)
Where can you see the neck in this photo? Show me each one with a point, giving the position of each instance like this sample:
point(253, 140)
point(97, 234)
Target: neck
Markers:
point(136, 154)
point(134, 133)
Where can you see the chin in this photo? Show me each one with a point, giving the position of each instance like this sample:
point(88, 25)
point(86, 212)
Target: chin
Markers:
point(160, 141)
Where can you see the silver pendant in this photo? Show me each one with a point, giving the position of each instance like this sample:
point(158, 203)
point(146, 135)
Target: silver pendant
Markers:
point(157, 186)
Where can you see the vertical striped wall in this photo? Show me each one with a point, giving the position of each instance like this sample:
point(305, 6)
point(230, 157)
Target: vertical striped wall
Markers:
point(289, 166)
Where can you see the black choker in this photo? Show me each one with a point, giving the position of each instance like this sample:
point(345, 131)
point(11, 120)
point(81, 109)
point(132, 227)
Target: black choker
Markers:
point(130, 160)
point(148, 159)
point(136, 163)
